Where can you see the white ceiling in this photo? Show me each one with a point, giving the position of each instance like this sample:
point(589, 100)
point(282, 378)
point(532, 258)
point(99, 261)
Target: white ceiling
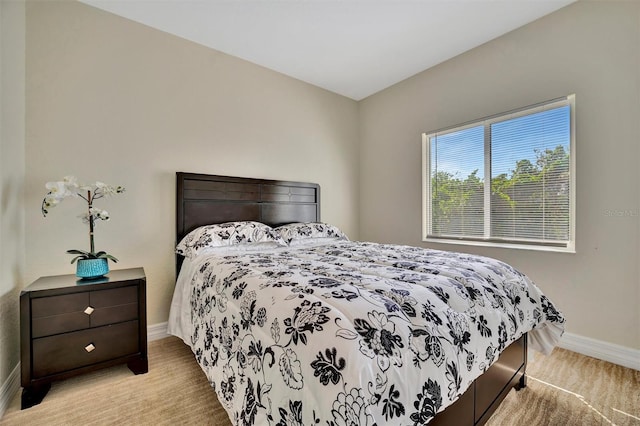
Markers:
point(351, 47)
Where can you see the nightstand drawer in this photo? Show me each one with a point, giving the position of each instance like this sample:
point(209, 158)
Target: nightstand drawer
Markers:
point(59, 314)
point(64, 352)
point(114, 314)
point(57, 305)
point(113, 306)
point(62, 314)
point(114, 297)
point(57, 324)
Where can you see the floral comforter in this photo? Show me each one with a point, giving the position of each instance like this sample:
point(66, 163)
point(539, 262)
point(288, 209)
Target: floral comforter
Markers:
point(351, 333)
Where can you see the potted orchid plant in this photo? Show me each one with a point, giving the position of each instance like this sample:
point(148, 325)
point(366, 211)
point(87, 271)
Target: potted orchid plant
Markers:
point(91, 264)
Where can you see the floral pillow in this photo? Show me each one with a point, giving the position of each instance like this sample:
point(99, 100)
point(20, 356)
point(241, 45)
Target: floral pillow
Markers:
point(226, 235)
point(309, 232)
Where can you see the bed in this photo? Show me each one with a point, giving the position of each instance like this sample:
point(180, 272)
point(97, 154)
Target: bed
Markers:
point(330, 331)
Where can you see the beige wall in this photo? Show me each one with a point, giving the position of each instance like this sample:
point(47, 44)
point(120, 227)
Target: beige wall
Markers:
point(12, 123)
point(591, 49)
point(112, 100)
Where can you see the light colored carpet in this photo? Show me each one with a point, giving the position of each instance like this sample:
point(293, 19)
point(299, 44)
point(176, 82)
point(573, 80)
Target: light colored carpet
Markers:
point(570, 389)
point(563, 389)
point(173, 392)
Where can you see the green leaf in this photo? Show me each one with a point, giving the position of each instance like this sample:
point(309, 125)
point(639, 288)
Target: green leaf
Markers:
point(80, 252)
point(108, 256)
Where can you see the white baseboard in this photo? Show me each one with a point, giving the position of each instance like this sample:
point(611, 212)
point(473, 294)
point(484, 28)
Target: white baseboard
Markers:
point(157, 331)
point(616, 354)
point(9, 388)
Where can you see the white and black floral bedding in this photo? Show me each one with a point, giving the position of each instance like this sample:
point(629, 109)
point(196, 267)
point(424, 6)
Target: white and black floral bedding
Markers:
point(351, 333)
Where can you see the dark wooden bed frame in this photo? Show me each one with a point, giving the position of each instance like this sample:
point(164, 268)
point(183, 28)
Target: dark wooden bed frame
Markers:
point(207, 199)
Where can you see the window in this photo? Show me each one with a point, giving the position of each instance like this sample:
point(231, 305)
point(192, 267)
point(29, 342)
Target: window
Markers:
point(505, 180)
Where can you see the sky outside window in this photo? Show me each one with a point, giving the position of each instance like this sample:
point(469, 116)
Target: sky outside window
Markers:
point(460, 153)
point(520, 138)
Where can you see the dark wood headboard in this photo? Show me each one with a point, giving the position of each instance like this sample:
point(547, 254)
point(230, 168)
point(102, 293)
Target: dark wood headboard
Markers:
point(207, 199)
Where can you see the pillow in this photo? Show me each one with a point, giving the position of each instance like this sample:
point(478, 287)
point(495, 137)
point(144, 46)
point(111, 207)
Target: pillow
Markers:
point(228, 234)
point(304, 233)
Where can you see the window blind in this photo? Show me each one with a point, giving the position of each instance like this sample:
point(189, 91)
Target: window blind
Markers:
point(530, 176)
point(457, 165)
point(505, 179)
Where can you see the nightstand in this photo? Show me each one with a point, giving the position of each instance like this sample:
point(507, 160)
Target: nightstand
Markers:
point(70, 326)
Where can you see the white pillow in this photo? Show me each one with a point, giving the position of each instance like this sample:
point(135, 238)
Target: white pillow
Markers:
point(226, 235)
point(300, 233)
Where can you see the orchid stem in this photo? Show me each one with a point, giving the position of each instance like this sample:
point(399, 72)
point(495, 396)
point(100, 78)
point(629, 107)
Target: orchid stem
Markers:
point(90, 202)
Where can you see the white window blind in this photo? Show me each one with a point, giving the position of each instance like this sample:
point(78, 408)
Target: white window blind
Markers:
point(457, 165)
point(506, 179)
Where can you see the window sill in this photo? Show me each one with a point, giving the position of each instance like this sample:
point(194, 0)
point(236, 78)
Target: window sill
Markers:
point(570, 249)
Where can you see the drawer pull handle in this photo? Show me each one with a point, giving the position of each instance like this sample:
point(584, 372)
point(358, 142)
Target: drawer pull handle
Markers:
point(89, 347)
point(89, 310)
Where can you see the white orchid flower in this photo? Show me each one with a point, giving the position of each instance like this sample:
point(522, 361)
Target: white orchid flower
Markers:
point(102, 214)
point(95, 214)
point(71, 182)
point(57, 190)
point(108, 190)
point(69, 187)
point(51, 201)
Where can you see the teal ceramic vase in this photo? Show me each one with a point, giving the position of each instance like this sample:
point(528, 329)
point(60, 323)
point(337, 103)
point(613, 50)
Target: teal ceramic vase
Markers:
point(91, 268)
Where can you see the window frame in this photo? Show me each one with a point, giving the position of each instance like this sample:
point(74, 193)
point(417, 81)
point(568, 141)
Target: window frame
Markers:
point(487, 240)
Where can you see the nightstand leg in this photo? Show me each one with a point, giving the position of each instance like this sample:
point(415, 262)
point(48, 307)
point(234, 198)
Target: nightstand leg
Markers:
point(33, 395)
point(522, 383)
point(138, 365)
